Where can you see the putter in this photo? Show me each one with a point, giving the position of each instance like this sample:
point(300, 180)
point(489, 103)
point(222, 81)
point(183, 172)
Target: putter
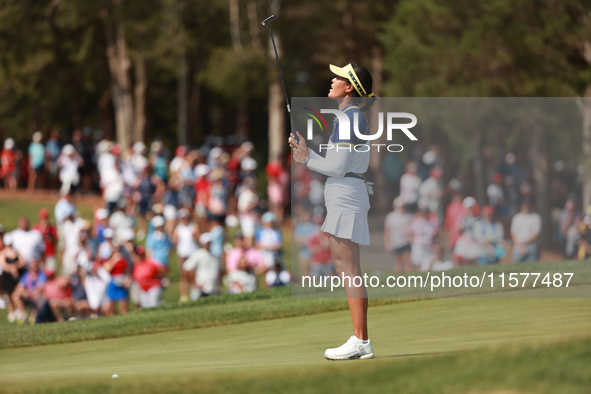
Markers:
point(266, 24)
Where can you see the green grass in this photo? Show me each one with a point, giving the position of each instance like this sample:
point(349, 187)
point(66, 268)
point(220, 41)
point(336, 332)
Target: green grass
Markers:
point(214, 311)
point(268, 342)
point(437, 346)
point(12, 209)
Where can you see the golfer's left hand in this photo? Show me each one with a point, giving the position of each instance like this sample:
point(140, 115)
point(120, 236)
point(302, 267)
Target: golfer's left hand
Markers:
point(298, 148)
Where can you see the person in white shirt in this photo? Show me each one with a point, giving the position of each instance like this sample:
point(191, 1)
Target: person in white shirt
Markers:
point(432, 190)
point(29, 243)
point(241, 280)
point(206, 268)
point(68, 162)
point(396, 238)
point(185, 238)
point(410, 182)
point(248, 200)
point(525, 230)
point(72, 229)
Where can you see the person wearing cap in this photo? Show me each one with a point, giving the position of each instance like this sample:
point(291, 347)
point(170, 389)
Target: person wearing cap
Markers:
point(217, 199)
point(248, 201)
point(69, 162)
point(63, 208)
point(201, 186)
point(205, 267)
point(36, 161)
point(467, 250)
point(268, 239)
point(422, 230)
point(101, 222)
point(526, 226)
point(185, 238)
point(432, 190)
point(107, 248)
point(49, 233)
point(13, 267)
point(410, 182)
point(8, 167)
point(182, 178)
point(396, 238)
point(489, 234)
point(158, 243)
point(346, 220)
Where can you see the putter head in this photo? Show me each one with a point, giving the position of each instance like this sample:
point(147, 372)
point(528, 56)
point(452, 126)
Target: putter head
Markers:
point(268, 20)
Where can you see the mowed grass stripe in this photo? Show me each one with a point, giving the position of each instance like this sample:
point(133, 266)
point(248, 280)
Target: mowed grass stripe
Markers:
point(542, 368)
point(263, 356)
point(214, 311)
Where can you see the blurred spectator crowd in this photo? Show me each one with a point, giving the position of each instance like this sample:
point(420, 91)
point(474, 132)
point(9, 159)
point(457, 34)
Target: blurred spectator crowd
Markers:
point(198, 209)
point(438, 225)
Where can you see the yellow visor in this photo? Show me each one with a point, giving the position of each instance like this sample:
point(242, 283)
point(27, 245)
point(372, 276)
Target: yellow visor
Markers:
point(348, 73)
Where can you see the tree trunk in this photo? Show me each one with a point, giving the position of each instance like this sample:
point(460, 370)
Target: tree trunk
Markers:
point(183, 73)
point(242, 118)
point(254, 25)
point(277, 105)
point(479, 177)
point(585, 108)
point(235, 25)
point(119, 66)
point(276, 119)
point(182, 99)
point(539, 158)
point(105, 107)
point(193, 117)
point(141, 84)
point(375, 163)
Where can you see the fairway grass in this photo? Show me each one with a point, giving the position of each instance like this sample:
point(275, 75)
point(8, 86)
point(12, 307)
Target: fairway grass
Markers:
point(437, 346)
point(208, 312)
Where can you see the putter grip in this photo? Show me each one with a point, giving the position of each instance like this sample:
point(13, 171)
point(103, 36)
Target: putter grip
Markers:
point(269, 19)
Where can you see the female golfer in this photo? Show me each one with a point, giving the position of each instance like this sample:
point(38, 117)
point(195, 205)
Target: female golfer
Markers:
point(347, 200)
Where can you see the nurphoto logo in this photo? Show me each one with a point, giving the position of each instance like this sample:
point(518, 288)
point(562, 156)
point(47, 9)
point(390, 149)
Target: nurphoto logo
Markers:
point(344, 129)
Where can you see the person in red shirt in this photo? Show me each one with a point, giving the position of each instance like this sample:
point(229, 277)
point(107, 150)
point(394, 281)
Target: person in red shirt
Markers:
point(201, 187)
point(278, 181)
point(49, 233)
point(454, 214)
point(58, 294)
point(118, 288)
point(320, 259)
point(8, 165)
point(148, 274)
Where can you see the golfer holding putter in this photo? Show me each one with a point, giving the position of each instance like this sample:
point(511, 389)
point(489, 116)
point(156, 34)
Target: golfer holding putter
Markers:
point(347, 200)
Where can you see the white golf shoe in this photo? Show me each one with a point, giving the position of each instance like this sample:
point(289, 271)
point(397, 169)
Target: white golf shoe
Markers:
point(353, 349)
